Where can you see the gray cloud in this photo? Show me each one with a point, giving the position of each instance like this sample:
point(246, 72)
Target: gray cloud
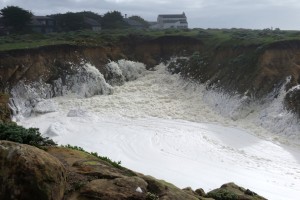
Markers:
point(201, 13)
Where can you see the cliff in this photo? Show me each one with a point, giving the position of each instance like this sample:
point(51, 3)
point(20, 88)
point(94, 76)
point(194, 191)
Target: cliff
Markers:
point(257, 70)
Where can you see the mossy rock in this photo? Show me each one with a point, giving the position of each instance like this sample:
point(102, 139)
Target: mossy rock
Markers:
point(231, 191)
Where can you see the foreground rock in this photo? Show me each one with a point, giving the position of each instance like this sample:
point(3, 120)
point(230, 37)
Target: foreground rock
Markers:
point(62, 173)
point(233, 191)
point(29, 173)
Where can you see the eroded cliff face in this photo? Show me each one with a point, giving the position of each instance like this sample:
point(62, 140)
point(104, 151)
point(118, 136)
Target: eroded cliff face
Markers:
point(259, 72)
point(51, 62)
point(254, 70)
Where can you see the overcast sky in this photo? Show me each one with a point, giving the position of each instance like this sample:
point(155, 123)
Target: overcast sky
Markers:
point(255, 14)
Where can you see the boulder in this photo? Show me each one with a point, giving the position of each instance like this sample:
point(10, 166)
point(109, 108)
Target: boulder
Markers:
point(29, 173)
point(231, 191)
point(166, 191)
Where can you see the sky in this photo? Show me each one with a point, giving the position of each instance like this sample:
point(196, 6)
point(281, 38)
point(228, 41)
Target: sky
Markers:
point(253, 14)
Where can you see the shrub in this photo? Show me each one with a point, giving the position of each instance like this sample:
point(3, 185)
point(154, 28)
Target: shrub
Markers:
point(222, 194)
point(31, 136)
point(151, 196)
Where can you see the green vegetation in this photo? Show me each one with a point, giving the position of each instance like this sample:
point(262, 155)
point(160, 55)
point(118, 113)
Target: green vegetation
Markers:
point(113, 163)
point(113, 20)
point(211, 38)
point(151, 196)
point(140, 20)
point(74, 21)
point(222, 194)
point(16, 18)
point(31, 136)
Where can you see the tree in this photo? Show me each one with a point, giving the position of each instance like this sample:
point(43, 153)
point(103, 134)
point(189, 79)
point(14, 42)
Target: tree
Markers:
point(69, 21)
point(16, 18)
point(113, 20)
point(140, 20)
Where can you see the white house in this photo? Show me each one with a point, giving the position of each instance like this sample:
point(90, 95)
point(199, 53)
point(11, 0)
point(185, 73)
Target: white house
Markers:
point(178, 21)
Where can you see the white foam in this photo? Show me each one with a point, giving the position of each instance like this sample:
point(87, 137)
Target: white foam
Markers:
point(176, 130)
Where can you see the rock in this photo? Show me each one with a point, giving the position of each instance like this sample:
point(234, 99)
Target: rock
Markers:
point(119, 188)
point(29, 173)
point(231, 191)
point(190, 191)
point(90, 178)
point(200, 192)
point(166, 191)
point(4, 108)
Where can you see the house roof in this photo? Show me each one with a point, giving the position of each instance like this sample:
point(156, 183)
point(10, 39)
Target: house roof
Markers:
point(173, 15)
point(91, 22)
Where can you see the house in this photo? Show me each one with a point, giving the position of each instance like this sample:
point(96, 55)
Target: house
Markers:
point(42, 24)
point(134, 24)
point(92, 24)
point(177, 21)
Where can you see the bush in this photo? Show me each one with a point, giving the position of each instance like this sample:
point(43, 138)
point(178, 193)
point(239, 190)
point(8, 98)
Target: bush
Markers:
point(151, 196)
point(222, 194)
point(32, 136)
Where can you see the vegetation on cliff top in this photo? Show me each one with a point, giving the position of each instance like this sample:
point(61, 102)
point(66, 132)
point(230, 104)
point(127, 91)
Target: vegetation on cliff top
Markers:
point(211, 38)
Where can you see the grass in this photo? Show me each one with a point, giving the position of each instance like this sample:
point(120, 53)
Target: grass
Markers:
point(212, 38)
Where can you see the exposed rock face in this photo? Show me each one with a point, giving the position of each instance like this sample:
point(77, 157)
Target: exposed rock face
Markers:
point(91, 178)
point(120, 188)
point(29, 173)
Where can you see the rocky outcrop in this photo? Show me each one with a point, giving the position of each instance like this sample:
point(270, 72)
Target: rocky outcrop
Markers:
point(63, 173)
point(29, 173)
point(92, 178)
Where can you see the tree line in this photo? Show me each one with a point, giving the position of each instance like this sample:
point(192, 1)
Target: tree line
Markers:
point(18, 20)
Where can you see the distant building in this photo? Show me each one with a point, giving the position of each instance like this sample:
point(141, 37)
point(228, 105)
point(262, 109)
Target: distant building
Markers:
point(177, 21)
point(42, 24)
point(92, 24)
point(134, 24)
